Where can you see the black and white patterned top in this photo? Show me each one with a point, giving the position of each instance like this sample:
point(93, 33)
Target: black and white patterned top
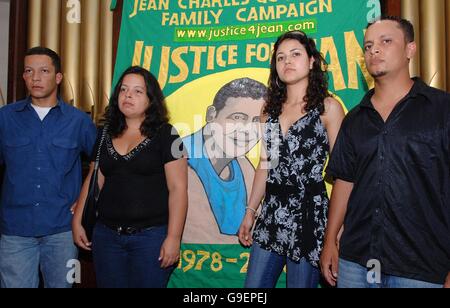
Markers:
point(294, 212)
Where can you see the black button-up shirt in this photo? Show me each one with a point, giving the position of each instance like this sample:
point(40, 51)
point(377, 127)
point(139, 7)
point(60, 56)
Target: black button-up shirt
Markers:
point(399, 209)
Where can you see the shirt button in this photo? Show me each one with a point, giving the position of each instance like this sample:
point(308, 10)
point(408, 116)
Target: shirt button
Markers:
point(38, 168)
point(37, 204)
point(38, 186)
point(385, 132)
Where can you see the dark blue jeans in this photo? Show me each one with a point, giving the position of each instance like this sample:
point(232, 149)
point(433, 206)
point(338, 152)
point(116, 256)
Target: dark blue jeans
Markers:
point(129, 261)
point(265, 268)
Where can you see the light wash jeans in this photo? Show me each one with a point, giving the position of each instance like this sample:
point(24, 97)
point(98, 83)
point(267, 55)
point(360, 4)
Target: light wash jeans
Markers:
point(353, 275)
point(265, 268)
point(22, 257)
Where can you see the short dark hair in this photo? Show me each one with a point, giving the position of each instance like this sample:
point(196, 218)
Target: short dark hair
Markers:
point(405, 25)
point(156, 114)
point(56, 60)
point(242, 87)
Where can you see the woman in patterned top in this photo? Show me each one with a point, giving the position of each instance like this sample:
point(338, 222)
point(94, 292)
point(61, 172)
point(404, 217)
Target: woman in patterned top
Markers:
point(143, 180)
point(301, 124)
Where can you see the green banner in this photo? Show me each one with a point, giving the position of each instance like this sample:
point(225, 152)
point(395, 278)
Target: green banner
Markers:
point(207, 266)
point(194, 48)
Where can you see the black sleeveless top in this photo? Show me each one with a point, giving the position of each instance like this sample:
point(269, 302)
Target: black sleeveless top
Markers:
point(294, 212)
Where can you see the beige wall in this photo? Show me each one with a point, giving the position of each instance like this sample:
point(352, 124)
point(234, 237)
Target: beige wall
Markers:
point(4, 39)
point(429, 18)
point(85, 45)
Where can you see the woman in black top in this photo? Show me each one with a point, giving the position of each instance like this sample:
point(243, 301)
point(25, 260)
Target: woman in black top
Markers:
point(143, 180)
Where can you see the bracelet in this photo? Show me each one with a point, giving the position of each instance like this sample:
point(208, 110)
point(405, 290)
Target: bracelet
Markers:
point(251, 209)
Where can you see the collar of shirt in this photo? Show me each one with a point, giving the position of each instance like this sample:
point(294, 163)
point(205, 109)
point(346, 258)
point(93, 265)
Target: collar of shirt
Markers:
point(26, 104)
point(419, 88)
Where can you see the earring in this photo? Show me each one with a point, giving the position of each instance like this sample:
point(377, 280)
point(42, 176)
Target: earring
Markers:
point(277, 83)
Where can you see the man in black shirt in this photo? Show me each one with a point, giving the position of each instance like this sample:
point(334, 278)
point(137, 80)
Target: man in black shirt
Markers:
point(391, 163)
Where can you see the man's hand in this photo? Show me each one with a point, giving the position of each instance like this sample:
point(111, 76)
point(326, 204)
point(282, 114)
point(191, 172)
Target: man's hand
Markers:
point(329, 262)
point(447, 282)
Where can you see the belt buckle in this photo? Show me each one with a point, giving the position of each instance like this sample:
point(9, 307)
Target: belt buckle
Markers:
point(126, 230)
point(119, 230)
point(130, 231)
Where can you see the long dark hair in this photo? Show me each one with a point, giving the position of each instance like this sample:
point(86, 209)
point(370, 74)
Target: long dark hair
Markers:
point(156, 114)
point(317, 89)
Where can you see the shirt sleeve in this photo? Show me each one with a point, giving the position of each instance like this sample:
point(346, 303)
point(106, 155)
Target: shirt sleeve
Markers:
point(447, 142)
point(1, 150)
point(343, 159)
point(1, 141)
point(88, 136)
point(171, 144)
point(448, 136)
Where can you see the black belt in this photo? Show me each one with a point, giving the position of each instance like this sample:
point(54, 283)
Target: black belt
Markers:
point(282, 190)
point(124, 230)
point(307, 210)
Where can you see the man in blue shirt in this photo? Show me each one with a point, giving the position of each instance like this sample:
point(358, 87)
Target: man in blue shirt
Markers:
point(41, 139)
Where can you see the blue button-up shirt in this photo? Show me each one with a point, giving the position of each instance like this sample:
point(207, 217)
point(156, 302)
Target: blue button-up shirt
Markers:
point(43, 167)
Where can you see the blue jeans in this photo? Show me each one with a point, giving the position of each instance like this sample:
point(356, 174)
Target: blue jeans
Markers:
point(22, 257)
point(353, 275)
point(265, 268)
point(129, 261)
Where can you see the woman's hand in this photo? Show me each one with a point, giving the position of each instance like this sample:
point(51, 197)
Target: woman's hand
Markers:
point(79, 237)
point(73, 208)
point(245, 236)
point(170, 252)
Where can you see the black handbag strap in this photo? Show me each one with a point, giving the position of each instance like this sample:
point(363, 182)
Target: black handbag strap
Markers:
point(102, 140)
point(94, 179)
